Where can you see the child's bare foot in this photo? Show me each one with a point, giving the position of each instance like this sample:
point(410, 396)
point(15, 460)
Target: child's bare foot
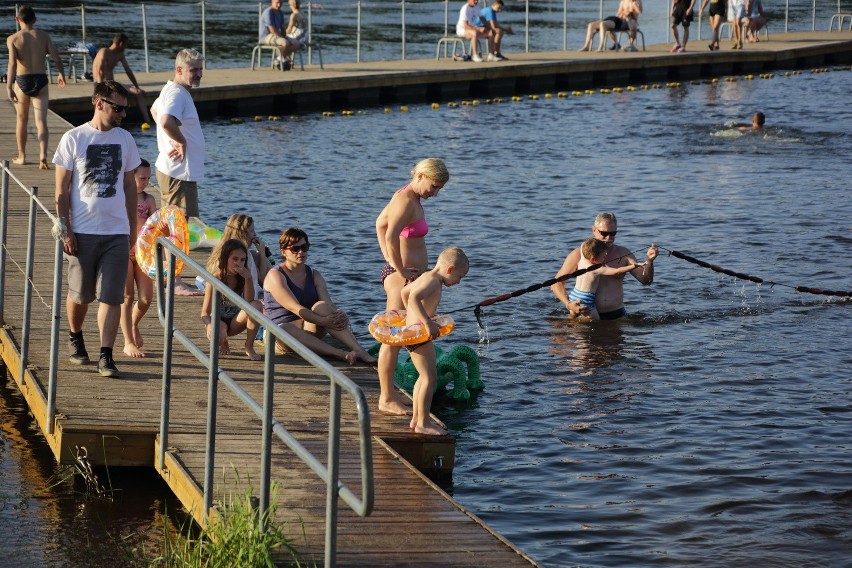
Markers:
point(42, 165)
point(132, 350)
point(252, 354)
point(394, 407)
point(224, 348)
point(584, 48)
point(19, 161)
point(430, 428)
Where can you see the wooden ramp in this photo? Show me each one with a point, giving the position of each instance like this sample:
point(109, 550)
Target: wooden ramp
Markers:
point(414, 523)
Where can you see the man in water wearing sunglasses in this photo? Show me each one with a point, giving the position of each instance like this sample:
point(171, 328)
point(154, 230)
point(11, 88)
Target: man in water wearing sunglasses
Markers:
point(610, 292)
point(96, 206)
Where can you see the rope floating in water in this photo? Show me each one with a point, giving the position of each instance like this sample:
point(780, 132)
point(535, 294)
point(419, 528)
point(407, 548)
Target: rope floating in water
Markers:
point(756, 279)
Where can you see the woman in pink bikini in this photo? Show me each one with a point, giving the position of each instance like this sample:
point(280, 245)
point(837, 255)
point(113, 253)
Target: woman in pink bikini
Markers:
point(401, 229)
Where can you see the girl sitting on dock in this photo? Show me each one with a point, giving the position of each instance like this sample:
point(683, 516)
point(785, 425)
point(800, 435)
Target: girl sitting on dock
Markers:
point(232, 269)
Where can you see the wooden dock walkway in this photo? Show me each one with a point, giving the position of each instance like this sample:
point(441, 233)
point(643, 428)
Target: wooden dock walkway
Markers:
point(243, 92)
point(413, 522)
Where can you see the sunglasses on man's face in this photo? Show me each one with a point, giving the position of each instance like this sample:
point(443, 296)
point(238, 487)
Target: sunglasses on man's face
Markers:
point(116, 107)
point(607, 233)
point(298, 248)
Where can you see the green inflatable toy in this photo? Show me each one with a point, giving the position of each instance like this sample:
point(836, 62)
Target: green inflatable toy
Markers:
point(459, 366)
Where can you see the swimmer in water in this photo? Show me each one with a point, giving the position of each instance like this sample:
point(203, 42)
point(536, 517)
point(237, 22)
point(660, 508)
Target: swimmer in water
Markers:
point(757, 122)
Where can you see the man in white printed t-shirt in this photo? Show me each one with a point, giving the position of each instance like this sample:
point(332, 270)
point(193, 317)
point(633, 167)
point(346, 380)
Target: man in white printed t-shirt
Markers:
point(180, 162)
point(470, 26)
point(96, 204)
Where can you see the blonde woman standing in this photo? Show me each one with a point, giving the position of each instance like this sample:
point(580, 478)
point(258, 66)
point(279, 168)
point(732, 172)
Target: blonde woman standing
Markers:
point(401, 230)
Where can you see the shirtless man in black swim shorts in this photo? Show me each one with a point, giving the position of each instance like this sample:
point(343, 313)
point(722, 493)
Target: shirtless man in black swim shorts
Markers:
point(27, 80)
point(626, 19)
point(609, 297)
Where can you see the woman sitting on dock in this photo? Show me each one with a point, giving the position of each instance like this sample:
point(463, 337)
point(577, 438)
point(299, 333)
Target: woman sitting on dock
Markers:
point(626, 19)
point(232, 269)
point(296, 298)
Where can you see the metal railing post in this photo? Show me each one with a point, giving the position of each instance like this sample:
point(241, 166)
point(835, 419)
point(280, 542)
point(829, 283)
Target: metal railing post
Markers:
point(403, 30)
point(358, 34)
point(145, 37)
point(28, 286)
point(168, 341)
point(204, 32)
point(4, 211)
point(266, 438)
point(56, 312)
point(446, 18)
point(333, 473)
point(83, 21)
point(813, 17)
point(565, 25)
point(786, 15)
point(212, 397)
point(310, 34)
point(527, 26)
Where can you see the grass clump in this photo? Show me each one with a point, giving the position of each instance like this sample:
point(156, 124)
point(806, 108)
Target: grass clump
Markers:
point(232, 539)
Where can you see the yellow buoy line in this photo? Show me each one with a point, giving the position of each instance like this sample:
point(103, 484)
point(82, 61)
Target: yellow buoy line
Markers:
point(560, 94)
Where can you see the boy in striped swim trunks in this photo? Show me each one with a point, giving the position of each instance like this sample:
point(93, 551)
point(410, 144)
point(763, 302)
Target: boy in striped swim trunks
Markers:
point(594, 251)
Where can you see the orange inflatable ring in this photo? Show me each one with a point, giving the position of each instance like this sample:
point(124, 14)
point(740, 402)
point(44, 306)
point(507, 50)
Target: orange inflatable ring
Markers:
point(178, 233)
point(389, 328)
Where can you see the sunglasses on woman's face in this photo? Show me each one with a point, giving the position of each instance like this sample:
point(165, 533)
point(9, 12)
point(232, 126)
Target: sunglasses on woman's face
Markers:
point(298, 248)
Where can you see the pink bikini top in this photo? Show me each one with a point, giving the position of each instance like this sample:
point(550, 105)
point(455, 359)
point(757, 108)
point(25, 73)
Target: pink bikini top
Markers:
point(417, 229)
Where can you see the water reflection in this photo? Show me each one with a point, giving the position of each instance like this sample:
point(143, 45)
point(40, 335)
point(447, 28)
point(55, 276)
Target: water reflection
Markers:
point(586, 346)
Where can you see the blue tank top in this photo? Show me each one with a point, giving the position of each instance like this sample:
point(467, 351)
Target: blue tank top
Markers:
point(307, 297)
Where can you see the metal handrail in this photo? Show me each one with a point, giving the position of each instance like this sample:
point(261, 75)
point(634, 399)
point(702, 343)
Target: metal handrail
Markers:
point(56, 304)
point(338, 381)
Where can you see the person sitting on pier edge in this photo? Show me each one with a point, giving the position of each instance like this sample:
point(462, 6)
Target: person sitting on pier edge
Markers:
point(626, 19)
point(230, 265)
point(754, 21)
point(241, 227)
point(470, 26)
point(105, 62)
point(715, 15)
point(681, 16)
point(610, 292)
point(489, 17)
point(273, 32)
point(96, 204)
point(296, 298)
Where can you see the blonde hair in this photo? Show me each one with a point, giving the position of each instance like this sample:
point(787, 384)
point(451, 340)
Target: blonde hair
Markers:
point(453, 256)
point(187, 56)
point(433, 168)
point(237, 228)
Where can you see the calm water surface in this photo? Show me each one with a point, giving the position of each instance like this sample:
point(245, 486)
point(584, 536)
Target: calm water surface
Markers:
point(710, 427)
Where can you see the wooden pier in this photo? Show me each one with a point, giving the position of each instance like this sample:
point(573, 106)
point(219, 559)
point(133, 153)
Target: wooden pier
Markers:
point(339, 86)
point(413, 523)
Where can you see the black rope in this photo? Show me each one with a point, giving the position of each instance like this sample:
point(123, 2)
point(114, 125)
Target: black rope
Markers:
point(756, 279)
point(521, 291)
